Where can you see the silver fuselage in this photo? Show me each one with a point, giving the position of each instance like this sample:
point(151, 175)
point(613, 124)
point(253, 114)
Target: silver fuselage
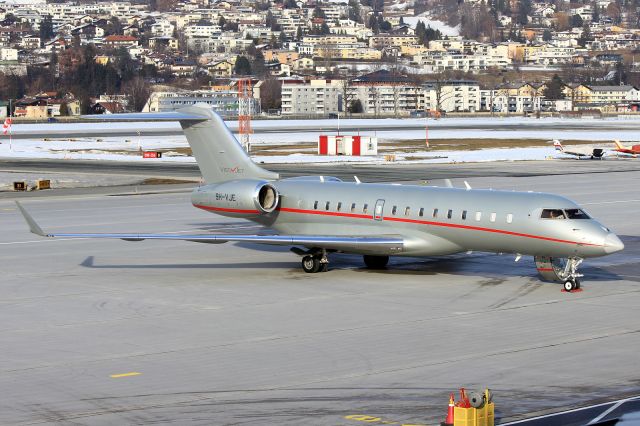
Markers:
point(466, 220)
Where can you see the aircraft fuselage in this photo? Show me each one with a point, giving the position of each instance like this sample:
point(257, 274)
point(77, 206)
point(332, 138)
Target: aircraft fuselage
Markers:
point(432, 220)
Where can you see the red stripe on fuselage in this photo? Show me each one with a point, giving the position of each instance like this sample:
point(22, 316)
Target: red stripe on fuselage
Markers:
point(397, 219)
point(226, 210)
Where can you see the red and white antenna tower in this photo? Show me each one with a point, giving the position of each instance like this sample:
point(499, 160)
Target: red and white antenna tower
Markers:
point(245, 95)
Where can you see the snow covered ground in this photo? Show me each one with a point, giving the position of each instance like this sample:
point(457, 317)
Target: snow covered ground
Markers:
point(122, 149)
point(292, 132)
point(497, 125)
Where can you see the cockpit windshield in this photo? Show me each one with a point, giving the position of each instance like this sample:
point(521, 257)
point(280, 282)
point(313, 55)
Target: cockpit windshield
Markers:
point(563, 214)
point(552, 214)
point(576, 214)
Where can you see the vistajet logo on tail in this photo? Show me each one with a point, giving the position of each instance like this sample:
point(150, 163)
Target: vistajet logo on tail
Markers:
point(234, 170)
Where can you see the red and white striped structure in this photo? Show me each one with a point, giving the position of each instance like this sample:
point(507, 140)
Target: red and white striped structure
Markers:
point(347, 145)
point(7, 125)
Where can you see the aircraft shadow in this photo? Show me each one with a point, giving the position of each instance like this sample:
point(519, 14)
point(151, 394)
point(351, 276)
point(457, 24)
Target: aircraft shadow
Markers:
point(89, 262)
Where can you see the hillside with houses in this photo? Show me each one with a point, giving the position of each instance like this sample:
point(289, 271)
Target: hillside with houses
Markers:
point(319, 58)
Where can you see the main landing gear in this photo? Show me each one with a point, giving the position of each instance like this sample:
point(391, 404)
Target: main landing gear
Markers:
point(313, 262)
point(560, 270)
point(316, 261)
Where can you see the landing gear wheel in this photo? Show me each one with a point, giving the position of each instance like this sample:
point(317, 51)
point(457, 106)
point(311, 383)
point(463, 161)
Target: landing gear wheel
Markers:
point(375, 262)
point(324, 267)
point(310, 264)
point(564, 270)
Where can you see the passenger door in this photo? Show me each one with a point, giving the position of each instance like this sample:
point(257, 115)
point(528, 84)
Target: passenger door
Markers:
point(378, 210)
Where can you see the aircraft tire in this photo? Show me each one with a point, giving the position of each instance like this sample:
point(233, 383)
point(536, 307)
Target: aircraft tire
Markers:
point(375, 262)
point(569, 285)
point(310, 264)
point(324, 267)
point(577, 283)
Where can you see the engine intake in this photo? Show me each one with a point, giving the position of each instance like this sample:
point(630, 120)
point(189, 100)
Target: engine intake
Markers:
point(266, 198)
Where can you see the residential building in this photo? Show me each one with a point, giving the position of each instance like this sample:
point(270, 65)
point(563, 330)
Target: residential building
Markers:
point(386, 93)
point(452, 96)
point(312, 97)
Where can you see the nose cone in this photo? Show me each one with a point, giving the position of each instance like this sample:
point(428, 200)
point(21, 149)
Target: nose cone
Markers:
point(612, 244)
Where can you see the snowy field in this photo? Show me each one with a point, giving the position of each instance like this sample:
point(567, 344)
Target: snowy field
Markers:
point(445, 29)
point(287, 134)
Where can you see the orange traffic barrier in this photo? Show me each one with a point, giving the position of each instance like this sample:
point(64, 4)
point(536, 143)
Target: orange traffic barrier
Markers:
point(449, 419)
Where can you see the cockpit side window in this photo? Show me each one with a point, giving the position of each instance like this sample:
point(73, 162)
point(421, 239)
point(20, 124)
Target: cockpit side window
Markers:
point(576, 214)
point(552, 214)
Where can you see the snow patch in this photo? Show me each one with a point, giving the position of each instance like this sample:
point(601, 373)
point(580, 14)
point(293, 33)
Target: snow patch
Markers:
point(435, 24)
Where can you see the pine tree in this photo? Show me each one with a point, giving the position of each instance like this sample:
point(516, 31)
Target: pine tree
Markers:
point(554, 88)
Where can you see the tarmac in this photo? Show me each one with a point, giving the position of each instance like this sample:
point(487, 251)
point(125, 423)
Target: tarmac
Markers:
point(159, 332)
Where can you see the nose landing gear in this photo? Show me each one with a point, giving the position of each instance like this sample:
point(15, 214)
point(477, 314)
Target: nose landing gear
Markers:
point(560, 270)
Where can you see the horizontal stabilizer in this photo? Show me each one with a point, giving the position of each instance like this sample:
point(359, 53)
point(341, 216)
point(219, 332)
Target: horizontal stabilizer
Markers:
point(148, 116)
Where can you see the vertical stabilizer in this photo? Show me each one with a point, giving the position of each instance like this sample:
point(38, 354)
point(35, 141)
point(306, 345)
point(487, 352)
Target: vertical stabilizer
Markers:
point(619, 145)
point(218, 153)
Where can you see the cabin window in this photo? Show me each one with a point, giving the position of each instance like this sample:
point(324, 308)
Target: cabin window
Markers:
point(492, 217)
point(315, 205)
point(509, 218)
point(407, 211)
point(449, 214)
point(464, 215)
point(478, 216)
point(326, 206)
point(576, 214)
point(365, 208)
point(394, 210)
point(421, 212)
point(435, 212)
point(339, 206)
point(353, 207)
point(552, 214)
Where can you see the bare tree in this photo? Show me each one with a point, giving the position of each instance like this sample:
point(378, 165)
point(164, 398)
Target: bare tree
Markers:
point(138, 92)
point(346, 88)
point(271, 94)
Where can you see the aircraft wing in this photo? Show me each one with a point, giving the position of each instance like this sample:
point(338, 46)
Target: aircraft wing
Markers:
point(350, 243)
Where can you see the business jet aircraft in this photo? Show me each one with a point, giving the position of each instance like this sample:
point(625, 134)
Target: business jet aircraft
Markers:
point(318, 216)
point(580, 151)
point(634, 150)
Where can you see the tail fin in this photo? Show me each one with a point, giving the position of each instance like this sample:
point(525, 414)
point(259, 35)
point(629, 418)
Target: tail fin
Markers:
point(219, 155)
point(619, 145)
point(558, 145)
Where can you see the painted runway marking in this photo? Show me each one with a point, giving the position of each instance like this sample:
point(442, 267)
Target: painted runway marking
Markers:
point(378, 420)
point(117, 376)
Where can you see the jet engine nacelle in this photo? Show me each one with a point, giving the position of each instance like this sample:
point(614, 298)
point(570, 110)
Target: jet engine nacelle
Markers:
point(240, 196)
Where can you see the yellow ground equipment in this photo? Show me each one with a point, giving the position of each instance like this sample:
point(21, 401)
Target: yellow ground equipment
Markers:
point(473, 409)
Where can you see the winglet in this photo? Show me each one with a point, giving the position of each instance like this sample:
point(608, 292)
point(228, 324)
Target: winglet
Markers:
point(33, 226)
